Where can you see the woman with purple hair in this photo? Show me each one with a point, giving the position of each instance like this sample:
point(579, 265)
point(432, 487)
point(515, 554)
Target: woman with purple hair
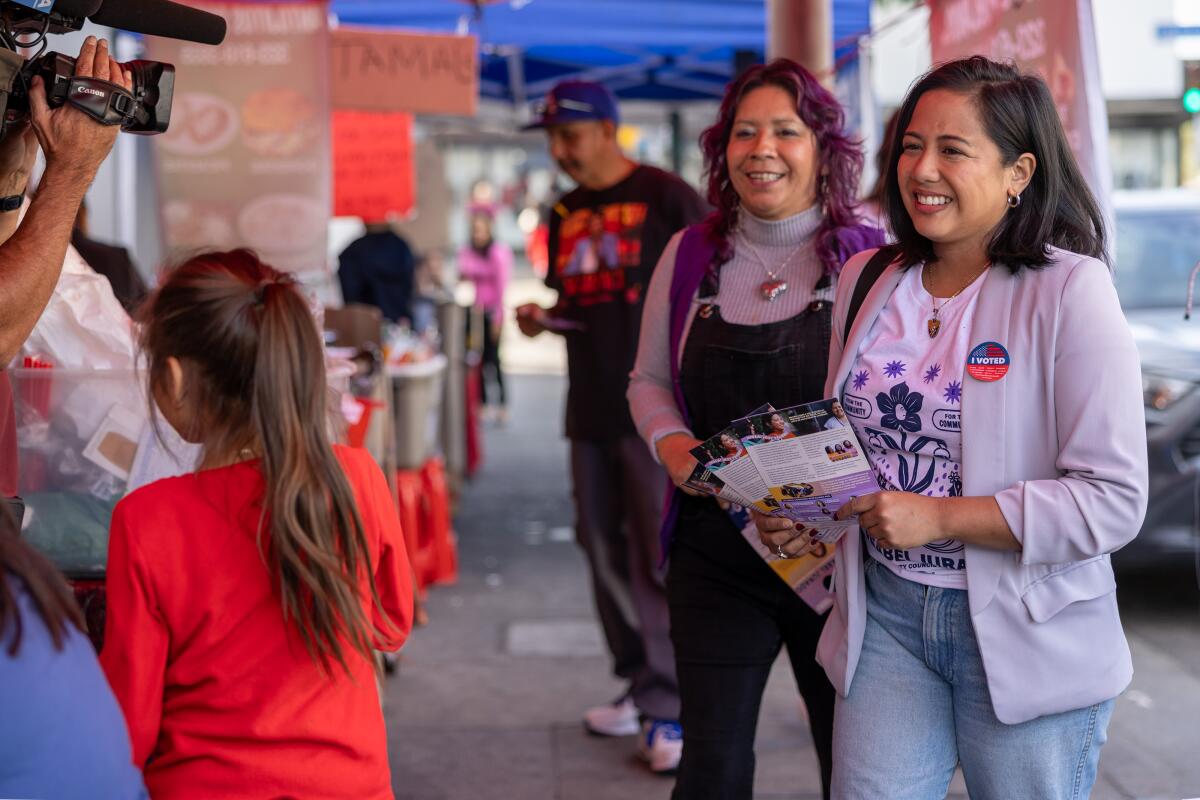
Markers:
point(738, 314)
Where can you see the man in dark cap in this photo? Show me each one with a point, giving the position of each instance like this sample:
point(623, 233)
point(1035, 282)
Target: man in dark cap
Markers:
point(605, 238)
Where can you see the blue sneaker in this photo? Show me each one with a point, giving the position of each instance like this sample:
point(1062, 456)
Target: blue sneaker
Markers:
point(661, 745)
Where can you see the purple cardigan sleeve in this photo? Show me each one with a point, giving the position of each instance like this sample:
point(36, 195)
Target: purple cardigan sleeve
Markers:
point(651, 396)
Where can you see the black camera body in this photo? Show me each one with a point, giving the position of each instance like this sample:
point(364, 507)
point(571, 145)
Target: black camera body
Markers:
point(145, 108)
point(149, 113)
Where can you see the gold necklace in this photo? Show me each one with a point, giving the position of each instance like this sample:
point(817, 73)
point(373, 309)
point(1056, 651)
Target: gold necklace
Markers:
point(933, 324)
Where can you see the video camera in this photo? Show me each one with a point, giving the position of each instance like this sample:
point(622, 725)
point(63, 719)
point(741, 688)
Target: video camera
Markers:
point(145, 108)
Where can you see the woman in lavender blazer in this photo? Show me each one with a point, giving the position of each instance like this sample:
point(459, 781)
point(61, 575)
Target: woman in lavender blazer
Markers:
point(995, 384)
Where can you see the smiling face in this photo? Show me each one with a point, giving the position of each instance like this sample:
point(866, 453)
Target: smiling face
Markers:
point(950, 173)
point(777, 424)
point(837, 410)
point(772, 155)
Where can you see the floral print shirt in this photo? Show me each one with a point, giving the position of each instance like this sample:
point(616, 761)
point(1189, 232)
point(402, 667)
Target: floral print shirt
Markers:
point(904, 398)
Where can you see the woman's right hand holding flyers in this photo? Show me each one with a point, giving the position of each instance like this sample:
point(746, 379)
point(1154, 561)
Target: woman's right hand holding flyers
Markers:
point(675, 453)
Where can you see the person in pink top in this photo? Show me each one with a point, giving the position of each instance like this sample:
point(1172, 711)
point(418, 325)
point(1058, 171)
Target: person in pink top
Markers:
point(488, 264)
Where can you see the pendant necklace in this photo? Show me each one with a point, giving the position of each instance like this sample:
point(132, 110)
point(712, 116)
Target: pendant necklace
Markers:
point(933, 324)
point(773, 286)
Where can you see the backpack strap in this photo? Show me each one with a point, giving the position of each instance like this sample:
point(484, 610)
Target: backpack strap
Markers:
point(866, 279)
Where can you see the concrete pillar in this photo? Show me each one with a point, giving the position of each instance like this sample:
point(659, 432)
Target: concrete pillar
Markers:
point(802, 30)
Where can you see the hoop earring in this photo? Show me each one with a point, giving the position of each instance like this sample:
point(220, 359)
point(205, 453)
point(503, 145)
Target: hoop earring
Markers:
point(1014, 200)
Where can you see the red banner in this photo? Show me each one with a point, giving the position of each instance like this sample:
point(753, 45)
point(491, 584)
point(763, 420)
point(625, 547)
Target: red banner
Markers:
point(246, 161)
point(373, 165)
point(1055, 38)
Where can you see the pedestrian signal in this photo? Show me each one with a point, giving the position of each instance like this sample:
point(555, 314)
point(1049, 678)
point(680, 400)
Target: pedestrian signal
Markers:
point(1191, 87)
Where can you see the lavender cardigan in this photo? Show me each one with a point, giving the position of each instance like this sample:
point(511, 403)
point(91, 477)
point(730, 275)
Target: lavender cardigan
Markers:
point(1060, 442)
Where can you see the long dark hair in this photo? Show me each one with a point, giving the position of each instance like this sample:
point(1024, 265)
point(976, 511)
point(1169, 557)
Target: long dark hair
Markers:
point(255, 378)
point(51, 596)
point(1018, 113)
point(876, 195)
point(839, 155)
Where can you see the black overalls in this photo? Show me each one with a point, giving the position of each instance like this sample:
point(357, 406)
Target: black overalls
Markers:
point(730, 612)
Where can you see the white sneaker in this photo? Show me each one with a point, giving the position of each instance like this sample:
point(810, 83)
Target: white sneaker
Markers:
point(661, 745)
point(619, 718)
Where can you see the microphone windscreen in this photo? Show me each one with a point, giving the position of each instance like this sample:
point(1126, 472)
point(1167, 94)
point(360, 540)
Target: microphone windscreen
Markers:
point(77, 9)
point(161, 18)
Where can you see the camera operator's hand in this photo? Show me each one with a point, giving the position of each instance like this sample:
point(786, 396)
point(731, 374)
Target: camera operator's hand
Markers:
point(70, 138)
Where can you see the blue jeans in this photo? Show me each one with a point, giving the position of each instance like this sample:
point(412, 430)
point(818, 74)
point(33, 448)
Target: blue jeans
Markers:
point(919, 705)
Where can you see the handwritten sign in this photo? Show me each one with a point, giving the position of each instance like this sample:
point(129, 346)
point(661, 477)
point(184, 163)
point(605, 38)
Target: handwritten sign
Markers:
point(1055, 39)
point(414, 72)
point(372, 165)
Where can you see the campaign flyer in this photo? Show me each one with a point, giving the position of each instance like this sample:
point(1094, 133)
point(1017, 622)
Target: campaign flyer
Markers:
point(811, 463)
point(810, 576)
point(723, 457)
point(705, 480)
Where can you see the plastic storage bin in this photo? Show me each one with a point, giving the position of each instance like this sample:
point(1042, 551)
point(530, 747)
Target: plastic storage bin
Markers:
point(78, 435)
point(416, 405)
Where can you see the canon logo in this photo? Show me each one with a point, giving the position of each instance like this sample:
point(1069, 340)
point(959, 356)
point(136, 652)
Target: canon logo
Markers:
point(86, 90)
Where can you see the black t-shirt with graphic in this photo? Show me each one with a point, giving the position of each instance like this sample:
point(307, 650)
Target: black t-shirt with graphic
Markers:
point(603, 248)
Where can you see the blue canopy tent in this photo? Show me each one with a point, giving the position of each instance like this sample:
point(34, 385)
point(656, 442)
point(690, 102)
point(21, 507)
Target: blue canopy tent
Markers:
point(664, 50)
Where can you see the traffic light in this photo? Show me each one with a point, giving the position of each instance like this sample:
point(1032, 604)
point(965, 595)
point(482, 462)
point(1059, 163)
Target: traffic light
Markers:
point(1191, 87)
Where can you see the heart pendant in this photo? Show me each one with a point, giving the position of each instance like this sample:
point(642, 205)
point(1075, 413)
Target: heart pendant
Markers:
point(772, 289)
point(933, 326)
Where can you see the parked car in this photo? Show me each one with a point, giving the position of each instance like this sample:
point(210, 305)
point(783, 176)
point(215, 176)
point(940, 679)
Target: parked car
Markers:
point(1157, 246)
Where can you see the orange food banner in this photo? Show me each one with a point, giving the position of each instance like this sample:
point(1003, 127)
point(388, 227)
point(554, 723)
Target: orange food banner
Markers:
point(246, 161)
point(420, 73)
point(372, 165)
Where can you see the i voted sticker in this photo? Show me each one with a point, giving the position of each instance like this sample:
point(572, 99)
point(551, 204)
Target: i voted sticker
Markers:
point(988, 362)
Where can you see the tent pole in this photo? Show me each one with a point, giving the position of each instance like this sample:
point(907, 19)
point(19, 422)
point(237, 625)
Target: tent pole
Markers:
point(676, 120)
point(802, 30)
point(516, 82)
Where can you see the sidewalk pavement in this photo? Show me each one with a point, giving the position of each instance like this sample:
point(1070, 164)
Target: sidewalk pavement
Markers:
point(489, 695)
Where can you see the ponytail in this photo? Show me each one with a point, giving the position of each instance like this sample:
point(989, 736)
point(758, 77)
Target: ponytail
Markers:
point(257, 379)
point(315, 533)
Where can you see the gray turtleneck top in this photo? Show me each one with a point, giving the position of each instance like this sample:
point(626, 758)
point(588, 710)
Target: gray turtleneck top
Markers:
point(757, 241)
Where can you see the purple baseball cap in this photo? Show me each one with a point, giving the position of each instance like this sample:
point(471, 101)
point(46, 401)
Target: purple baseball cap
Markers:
point(575, 101)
